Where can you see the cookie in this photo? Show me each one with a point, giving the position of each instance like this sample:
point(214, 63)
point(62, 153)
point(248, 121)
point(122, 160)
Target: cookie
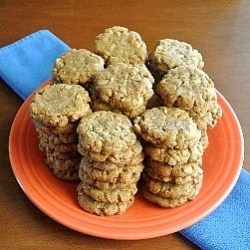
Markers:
point(169, 54)
point(208, 118)
point(116, 157)
point(191, 89)
point(163, 201)
point(191, 173)
point(115, 175)
point(187, 88)
point(167, 127)
point(69, 128)
point(104, 133)
point(173, 190)
point(102, 208)
point(118, 44)
point(64, 169)
point(123, 87)
point(76, 66)
point(105, 185)
point(175, 156)
point(109, 196)
point(58, 105)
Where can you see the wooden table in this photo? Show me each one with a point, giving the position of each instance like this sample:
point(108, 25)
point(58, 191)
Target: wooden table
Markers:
point(218, 29)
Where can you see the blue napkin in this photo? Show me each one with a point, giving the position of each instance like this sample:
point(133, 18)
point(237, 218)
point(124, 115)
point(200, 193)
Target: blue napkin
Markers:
point(27, 63)
point(228, 227)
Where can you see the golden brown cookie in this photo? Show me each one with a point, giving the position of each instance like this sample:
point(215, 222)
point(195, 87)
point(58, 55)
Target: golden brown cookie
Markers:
point(111, 195)
point(170, 53)
point(122, 87)
point(173, 190)
point(175, 156)
point(167, 127)
point(163, 201)
point(118, 44)
point(58, 105)
point(76, 66)
point(102, 208)
point(118, 174)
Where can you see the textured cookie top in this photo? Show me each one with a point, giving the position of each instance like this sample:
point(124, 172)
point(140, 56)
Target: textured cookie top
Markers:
point(186, 88)
point(58, 105)
point(118, 44)
point(170, 53)
point(76, 67)
point(167, 127)
point(125, 87)
point(105, 131)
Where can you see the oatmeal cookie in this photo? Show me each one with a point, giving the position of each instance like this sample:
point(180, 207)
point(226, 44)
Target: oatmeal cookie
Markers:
point(173, 190)
point(170, 53)
point(175, 156)
point(76, 66)
point(167, 127)
point(123, 87)
point(105, 133)
point(191, 172)
point(116, 157)
point(118, 44)
point(115, 175)
point(102, 208)
point(163, 201)
point(58, 105)
point(105, 185)
point(111, 195)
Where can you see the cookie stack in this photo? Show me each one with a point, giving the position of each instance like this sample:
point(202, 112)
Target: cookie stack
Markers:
point(55, 111)
point(111, 165)
point(191, 89)
point(173, 173)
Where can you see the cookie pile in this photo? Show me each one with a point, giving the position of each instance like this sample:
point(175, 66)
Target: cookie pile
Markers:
point(183, 83)
point(104, 110)
point(56, 111)
point(172, 143)
point(111, 165)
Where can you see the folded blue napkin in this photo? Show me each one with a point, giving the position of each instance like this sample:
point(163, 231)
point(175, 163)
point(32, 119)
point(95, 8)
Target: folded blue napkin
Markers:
point(228, 227)
point(27, 63)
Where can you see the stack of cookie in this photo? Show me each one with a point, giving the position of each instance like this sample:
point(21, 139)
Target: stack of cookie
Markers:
point(173, 173)
point(111, 165)
point(183, 84)
point(192, 90)
point(55, 111)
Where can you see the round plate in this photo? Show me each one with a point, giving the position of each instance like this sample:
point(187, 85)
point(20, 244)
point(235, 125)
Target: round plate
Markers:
point(58, 199)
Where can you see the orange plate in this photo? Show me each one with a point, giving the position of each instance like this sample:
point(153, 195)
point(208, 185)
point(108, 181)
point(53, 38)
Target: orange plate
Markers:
point(58, 199)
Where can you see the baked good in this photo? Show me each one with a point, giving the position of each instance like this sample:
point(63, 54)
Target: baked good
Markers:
point(117, 174)
point(58, 105)
point(123, 87)
point(115, 195)
point(167, 127)
point(118, 44)
point(102, 208)
point(191, 89)
point(76, 66)
point(170, 53)
point(175, 156)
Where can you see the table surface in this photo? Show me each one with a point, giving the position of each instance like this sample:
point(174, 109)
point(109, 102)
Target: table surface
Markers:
point(218, 29)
